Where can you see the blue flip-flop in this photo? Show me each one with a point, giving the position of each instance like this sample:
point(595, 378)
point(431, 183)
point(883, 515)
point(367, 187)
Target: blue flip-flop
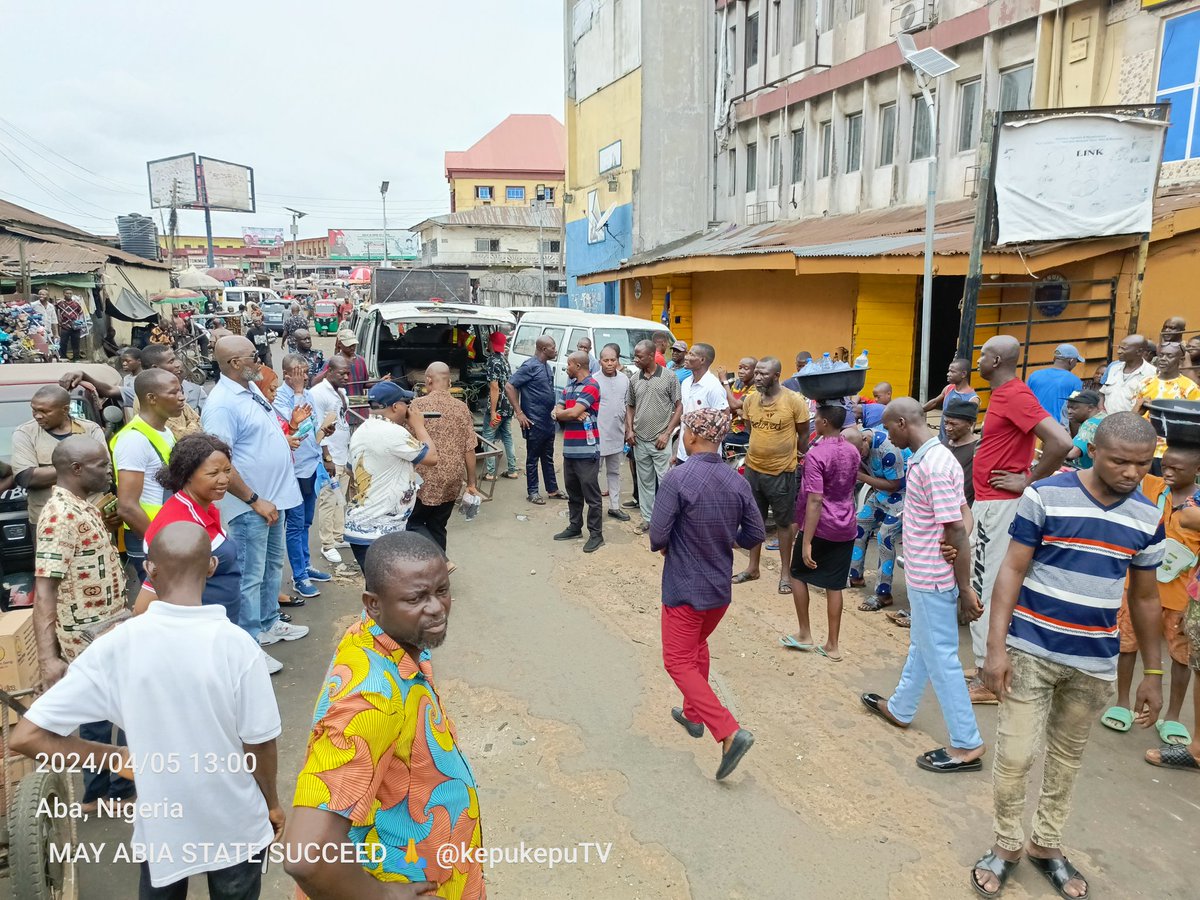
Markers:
point(792, 644)
point(825, 654)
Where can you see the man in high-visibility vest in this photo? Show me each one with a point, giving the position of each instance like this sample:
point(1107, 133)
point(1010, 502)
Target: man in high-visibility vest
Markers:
point(139, 450)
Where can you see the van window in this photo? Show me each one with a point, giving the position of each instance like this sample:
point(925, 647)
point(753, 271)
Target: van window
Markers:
point(625, 338)
point(557, 332)
point(577, 335)
point(526, 342)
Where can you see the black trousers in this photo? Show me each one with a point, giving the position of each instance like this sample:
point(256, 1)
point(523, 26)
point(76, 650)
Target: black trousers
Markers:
point(539, 447)
point(68, 337)
point(582, 478)
point(242, 881)
point(431, 521)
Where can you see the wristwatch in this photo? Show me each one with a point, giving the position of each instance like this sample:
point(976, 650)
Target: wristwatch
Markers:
point(252, 499)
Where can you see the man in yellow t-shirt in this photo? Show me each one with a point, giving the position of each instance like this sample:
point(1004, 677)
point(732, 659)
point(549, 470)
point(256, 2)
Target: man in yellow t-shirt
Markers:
point(1168, 384)
point(778, 420)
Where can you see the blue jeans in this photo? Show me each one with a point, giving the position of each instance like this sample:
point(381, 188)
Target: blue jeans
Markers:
point(504, 432)
point(299, 520)
point(933, 656)
point(101, 784)
point(260, 554)
point(539, 447)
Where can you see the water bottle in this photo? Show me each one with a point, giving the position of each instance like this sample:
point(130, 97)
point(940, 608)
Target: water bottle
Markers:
point(827, 362)
point(861, 361)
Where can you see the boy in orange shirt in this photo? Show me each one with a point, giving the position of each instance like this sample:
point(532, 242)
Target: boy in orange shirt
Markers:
point(1178, 497)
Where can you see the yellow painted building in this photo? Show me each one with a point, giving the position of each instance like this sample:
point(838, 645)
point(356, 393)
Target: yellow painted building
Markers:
point(190, 242)
point(506, 166)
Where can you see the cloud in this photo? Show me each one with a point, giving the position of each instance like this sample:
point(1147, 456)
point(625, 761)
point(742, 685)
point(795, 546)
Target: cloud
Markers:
point(323, 100)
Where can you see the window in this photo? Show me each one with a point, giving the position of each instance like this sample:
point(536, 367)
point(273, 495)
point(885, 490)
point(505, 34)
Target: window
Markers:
point(854, 132)
point(887, 134)
point(1016, 88)
point(515, 193)
point(752, 40)
point(824, 15)
point(969, 115)
point(776, 29)
point(751, 167)
point(775, 160)
point(549, 195)
point(799, 22)
point(857, 7)
point(732, 171)
point(551, 246)
point(487, 245)
point(1178, 81)
point(797, 155)
point(483, 192)
point(826, 133)
point(922, 133)
point(526, 342)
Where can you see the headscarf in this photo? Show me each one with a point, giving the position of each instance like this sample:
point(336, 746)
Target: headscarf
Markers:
point(709, 424)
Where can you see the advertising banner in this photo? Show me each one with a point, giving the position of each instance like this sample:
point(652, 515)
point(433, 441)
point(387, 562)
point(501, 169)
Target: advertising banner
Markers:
point(263, 237)
point(363, 245)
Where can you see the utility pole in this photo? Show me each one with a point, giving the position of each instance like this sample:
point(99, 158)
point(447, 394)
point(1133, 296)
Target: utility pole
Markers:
point(983, 205)
point(383, 189)
point(539, 206)
point(296, 216)
point(930, 212)
point(207, 215)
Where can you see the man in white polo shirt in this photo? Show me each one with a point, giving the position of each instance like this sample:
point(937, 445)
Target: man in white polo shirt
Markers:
point(701, 389)
point(204, 759)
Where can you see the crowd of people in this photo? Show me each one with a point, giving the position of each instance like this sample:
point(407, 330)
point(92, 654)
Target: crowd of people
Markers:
point(1064, 537)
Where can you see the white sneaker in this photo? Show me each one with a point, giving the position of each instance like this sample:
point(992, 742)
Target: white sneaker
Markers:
point(342, 545)
point(273, 665)
point(332, 555)
point(282, 631)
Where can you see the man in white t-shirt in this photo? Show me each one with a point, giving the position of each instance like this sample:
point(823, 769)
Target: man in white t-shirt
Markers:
point(383, 459)
point(139, 450)
point(1125, 378)
point(330, 401)
point(201, 742)
point(701, 389)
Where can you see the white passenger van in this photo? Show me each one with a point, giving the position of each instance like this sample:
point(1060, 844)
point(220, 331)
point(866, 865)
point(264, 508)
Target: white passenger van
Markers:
point(569, 326)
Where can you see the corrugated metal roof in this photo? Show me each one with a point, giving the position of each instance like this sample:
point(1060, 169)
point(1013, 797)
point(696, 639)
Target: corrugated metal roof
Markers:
point(47, 254)
point(19, 215)
point(498, 217)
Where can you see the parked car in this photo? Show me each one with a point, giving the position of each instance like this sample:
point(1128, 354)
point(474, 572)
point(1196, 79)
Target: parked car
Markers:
point(568, 327)
point(18, 383)
point(274, 315)
point(402, 339)
point(235, 297)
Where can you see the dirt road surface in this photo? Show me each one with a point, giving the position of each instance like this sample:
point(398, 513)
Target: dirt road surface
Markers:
point(552, 672)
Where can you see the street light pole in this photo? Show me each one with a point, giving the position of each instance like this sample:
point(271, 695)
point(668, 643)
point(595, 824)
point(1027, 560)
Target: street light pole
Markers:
point(930, 214)
point(383, 189)
point(296, 216)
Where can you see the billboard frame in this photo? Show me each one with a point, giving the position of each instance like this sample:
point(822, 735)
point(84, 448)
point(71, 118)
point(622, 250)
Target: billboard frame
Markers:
point(195, 182)
point(204, 187)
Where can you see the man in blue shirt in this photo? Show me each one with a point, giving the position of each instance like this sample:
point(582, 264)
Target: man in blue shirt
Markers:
point(1054, 385)
point(530, 389)
point(262, 483)
point(678, 352)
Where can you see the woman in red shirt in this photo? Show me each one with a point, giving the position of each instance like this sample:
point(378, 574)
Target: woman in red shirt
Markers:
point(197, 476)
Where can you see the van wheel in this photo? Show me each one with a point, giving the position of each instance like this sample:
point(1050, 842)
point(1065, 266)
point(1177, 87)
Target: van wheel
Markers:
point(35, 876)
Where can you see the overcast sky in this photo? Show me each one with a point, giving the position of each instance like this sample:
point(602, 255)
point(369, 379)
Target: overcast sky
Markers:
point(323, 100)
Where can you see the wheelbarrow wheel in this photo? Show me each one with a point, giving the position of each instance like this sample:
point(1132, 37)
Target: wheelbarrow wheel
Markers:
point(35, 876)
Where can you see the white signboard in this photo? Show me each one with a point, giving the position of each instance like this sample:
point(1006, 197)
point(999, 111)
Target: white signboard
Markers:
point(1078, 175)
point(365, 245)
point(173, 181)
point(228, 185)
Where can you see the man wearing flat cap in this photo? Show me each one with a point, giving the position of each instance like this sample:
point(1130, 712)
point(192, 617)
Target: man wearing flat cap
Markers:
point(702, 508)
point(958, 426)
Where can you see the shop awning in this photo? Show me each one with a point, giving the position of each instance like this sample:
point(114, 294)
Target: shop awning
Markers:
point(130, 307)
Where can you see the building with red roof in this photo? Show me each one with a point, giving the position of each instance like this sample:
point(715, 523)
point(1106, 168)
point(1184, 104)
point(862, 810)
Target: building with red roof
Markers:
point(508, 165)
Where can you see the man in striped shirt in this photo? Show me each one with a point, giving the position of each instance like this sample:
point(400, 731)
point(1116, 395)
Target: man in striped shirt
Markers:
point(1053, 640)
point(935, 511)
point(576, 413)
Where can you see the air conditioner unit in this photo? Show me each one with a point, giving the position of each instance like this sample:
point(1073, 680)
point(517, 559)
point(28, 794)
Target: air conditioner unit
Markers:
point(909, 16)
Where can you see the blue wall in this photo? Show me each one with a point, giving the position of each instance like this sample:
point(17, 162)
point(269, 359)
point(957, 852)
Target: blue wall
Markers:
point(584, 258)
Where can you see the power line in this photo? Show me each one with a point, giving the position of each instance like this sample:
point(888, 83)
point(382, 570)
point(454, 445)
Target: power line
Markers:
point(49, 149)
point(48, 187)
point(64, 212)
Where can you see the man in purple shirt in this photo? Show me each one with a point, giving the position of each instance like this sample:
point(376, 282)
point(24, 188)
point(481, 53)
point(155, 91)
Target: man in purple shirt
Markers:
point(825, 520)
point(702, 508)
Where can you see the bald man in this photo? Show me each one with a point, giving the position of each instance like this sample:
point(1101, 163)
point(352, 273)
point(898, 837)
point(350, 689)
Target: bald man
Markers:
point(332, 403)
point(576, 414)
point(79, 583)
point(1015, 422)
point(530, 390)
point(228, 712)
point(451, 427)
point(34, 441)
point(871, 414)
point(262, 483)
point(140, 450)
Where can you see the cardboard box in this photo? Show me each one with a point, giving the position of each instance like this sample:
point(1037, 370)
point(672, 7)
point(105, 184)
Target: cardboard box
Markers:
point(18, 654)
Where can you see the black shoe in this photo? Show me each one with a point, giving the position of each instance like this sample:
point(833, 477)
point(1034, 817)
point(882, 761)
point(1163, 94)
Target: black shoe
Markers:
point(643, 528)
point(742, 741)
point(568, 535)
point(619, 514)
point(631, 504)
point(695, 729)
point(594, 543)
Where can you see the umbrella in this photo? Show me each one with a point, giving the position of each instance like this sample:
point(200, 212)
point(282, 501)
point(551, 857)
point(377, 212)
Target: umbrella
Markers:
point(362, 275)
point(177, 296)
point(197, 280)
point(222, 274)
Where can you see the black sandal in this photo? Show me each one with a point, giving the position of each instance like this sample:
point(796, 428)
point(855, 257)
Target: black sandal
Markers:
point(1001, 868)
point(1058, 871)
point(874, 603)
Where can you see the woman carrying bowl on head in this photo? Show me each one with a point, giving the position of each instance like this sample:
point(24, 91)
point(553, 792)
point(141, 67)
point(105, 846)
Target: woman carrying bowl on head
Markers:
point(198, 476)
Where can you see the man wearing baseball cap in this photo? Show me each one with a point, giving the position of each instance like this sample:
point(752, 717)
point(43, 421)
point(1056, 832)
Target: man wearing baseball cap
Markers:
point(1083, 415)
point(1054, 385)
point(384, 452)
point(678, 352)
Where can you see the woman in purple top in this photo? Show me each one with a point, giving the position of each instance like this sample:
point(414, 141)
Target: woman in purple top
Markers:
point(826, 522)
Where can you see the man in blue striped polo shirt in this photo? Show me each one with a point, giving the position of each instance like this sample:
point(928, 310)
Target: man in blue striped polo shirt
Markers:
point(1052, 640)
